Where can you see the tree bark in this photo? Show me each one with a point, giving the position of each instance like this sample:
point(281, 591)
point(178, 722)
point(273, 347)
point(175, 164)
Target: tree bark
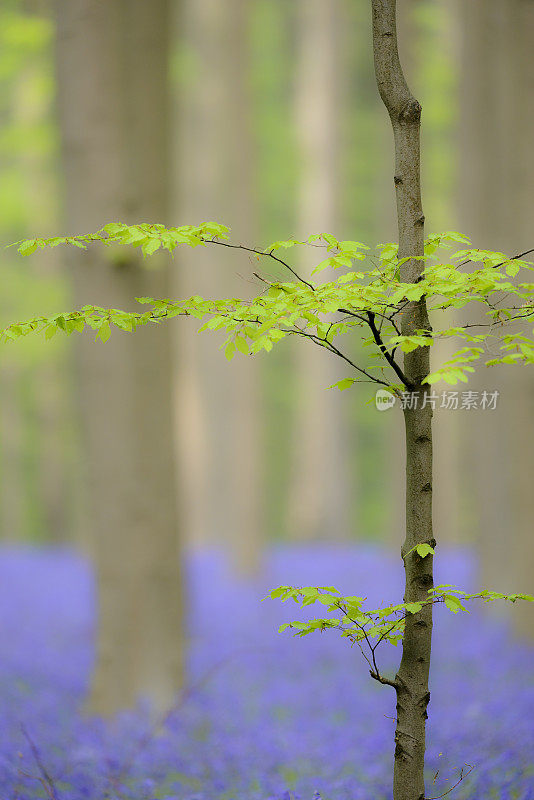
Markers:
point(522, 462)
point(197, 185)
point(319, 500)
point(217, 182)
point(112, 77)
point(239, 193)
point(496, 209)
point(14, 486)
point(413, 674)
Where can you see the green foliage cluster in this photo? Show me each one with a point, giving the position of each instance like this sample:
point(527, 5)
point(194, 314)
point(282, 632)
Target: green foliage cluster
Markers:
point(383, 624)
point(369, 628)
point(368, 297)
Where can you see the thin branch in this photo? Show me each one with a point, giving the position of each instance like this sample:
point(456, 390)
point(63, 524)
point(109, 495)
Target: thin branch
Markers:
point(374, 672)
point(383, 349)
point(462, 777)
point(384, 681)
point(264, 254)
point(333, 349)
point(496, 266)
point(46, 780)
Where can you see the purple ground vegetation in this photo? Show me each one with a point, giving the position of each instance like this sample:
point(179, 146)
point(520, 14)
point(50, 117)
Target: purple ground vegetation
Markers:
point(265, 715)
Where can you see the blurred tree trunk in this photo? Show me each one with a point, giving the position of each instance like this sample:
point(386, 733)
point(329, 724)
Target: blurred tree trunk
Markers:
point(521, 211)
point(496, 190)
point(32, 401)
point(319, 500)
point(217, 159)
point(239, 190)
point(14, 479)
point(54, 483)
point(479, 187)
point(196, 182)
point(113, 105)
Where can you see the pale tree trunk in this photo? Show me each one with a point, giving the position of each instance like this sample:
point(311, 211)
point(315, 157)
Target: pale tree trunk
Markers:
point(412, 678)
point(319, 504)
point(218, 183)
point(54, 481)
point(14, 495)
point(521, 194)
point(480, 187)
point(51, 386)
point(34, 464)
point(244, 452)
point(196, 182)
point(112, 75)
point(497, 195)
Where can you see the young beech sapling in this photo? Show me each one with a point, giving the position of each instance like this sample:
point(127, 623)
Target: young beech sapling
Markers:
point(389, 298)
point(372, 297)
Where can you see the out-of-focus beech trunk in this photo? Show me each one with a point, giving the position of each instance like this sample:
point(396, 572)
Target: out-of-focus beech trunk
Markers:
point(521, 194)
point(112, 76)
point(14, 485)
point(196, 181)
point(219, 422)
point(319, 505)
point(496, 189)
point(244, 440)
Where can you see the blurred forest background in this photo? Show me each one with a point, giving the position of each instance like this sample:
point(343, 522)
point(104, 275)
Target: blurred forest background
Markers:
point(263, 115)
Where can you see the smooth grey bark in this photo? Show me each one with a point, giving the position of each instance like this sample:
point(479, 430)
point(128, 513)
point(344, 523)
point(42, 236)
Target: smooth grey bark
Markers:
point(113, 108)
point(239, 192)
point(14, 487)
point(319, 498)
point(496, 210)
point(483, 202)
point(411, 682)
point(220, 431)
point(522, 461)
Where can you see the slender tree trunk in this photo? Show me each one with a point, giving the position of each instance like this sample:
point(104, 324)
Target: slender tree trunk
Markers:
point(412, 678)
point(112, 75)
point(239, 190)
point(217, 182)
point(197, 180)
point(319, 506)
point(14, 487)
point(522, 463)
point(483, 201)
point(496, 209)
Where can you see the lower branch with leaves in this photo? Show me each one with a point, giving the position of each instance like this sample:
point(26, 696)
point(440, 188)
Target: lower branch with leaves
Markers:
point(370, 628)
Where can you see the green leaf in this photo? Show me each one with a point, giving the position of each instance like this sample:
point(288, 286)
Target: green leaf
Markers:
point(242, 345)
point(453, 603)
point(346, 383)
point(27, 247)
point(104, 332)
point(151, 246)
point(279, 592)
point(413, 608)
point(424, 550)
point(229, 351)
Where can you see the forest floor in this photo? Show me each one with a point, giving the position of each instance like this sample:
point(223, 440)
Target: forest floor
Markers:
point(267, 716)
